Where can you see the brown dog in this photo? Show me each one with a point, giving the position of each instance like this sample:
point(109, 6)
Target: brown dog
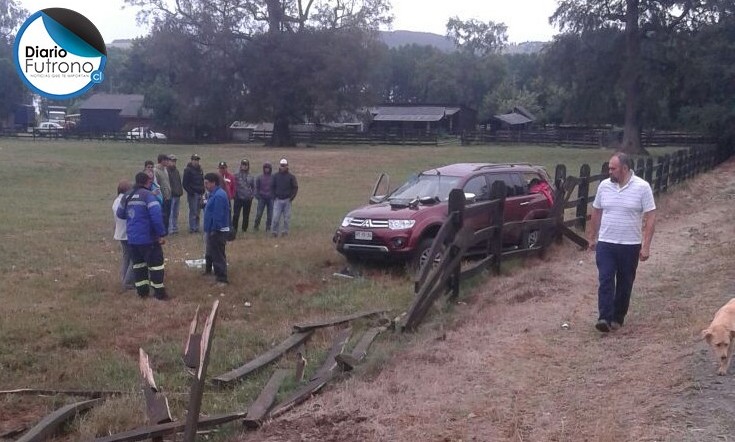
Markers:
point(720, 333)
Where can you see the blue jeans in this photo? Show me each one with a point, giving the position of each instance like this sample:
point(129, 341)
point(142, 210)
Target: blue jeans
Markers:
point(281, 209)
point(263, 204)
point(173, 221)
point(195, 207)
point(616, 264)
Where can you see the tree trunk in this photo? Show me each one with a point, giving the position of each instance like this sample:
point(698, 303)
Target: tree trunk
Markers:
point(631, 78)
point(281, 133)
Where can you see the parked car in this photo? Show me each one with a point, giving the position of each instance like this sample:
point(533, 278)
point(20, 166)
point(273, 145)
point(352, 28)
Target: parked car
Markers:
point(402, 224)
point(144, 133)
point(49, 129)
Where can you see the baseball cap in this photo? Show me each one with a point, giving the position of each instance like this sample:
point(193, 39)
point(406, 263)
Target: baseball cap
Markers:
point(222, 164)
point(244, 161)
point(172, 157)
point(283, 162)
point(195, 157)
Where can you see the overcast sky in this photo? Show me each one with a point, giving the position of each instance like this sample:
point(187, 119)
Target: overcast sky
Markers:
point(527, 20)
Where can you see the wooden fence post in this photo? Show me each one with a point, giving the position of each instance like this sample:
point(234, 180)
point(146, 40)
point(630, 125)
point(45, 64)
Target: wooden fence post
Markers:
point(560, 174)
point(649, 170)
point(659, 175)
point(498, 191)
point(583, 193)
point(640, 168)
point(457, 204)
point(665, 173)
point(197, 383)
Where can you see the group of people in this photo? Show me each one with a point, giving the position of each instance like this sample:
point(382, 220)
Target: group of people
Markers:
point(147, 211)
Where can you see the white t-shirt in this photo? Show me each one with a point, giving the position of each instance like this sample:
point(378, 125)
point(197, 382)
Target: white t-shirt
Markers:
point(121, 233)
point(623, 209)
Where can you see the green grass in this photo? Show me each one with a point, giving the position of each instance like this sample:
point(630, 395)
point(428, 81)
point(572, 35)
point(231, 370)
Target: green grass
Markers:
point(65, 324)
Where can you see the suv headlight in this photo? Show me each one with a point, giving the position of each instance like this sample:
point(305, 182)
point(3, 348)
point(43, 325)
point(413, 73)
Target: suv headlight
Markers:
point(400, 224)
point(346, 221)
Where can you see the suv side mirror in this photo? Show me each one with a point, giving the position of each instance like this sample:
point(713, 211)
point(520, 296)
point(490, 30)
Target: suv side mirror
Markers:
point(469, 197)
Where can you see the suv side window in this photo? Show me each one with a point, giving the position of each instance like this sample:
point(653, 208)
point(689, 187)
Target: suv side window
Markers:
point(521, 188)
point(506, 179)
point(478, 186)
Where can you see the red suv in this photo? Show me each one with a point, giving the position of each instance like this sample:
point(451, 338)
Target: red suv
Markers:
point(402, 224)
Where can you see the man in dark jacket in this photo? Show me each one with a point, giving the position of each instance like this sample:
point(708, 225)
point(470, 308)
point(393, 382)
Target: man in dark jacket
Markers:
point(285, 187)
point(216, 227)
point(264, 195)
point(244, 191)
point(177, 191)
point(145, 229)
point(194, 185)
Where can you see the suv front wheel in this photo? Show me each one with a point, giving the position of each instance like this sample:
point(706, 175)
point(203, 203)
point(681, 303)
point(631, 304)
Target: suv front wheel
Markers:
point(422, 255)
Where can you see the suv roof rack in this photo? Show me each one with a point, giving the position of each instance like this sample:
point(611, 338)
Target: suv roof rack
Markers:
point(492, 166)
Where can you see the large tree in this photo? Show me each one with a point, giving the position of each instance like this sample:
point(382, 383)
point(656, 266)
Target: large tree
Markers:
point(260, 48)
point(640, 19)
point(12, 90)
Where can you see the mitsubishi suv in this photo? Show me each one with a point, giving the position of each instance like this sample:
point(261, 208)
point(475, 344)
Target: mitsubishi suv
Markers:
point(401, 225)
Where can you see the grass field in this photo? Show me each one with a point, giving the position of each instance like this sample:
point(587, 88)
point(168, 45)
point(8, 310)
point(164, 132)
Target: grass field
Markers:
point(64, 323)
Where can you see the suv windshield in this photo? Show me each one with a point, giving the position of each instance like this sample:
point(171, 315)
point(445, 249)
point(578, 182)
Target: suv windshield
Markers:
point(426, 186)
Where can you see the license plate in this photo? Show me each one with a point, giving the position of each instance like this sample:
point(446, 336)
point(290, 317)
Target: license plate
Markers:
point(364, 236)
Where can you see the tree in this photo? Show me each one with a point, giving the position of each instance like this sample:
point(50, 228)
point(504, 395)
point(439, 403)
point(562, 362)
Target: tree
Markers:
point(253, 46)
point(12, 90)
point(639, 19)
point(477, 37)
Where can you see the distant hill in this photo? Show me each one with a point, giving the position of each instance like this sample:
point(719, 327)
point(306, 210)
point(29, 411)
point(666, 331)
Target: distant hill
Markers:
point(395, 39)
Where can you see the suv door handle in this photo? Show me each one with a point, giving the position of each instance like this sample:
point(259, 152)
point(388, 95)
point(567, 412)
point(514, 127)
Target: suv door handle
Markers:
point(525, 203)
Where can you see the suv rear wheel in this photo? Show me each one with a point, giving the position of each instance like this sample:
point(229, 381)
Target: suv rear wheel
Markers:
point(531, 239)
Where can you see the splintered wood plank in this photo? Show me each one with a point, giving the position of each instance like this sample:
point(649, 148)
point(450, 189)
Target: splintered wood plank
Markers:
point(156, 404)
point(191, 348)
point(300, 363)
point(300, 395)
point(334, 321)
point(265, 399)
point(348, 362)
point(46, 392)
point(170, 428)
point(338, 346)
point(49, 425)
point(264, 359)
point(197, 383)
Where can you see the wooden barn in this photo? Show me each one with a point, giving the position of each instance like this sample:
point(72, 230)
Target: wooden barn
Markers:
point(113, 113)
point(422, 119)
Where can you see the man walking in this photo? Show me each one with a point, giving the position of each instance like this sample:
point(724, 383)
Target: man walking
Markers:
point(244, 191)
point(284, 187)
point(193, 183)
point(264, 195)
point(177, 190)
point(161, 175)
point(620, 233)
point(216, 228)
point(146, 231)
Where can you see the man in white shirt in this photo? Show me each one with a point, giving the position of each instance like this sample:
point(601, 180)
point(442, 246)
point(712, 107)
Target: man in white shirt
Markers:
point(620, 232)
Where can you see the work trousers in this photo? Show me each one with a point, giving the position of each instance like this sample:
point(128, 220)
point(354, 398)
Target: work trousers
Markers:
point(214, 256)
point(617, 265)
point(195, 206)
point(173, 222)
point(148, 269)
point(281, 209)
point(243, 205)
point(267, 205)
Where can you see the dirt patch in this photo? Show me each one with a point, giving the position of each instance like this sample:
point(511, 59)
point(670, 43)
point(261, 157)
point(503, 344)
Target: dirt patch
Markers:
point(506, 369)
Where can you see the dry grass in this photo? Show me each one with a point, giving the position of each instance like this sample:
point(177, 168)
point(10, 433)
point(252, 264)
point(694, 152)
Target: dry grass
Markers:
point(65, 324)
point(503, 369)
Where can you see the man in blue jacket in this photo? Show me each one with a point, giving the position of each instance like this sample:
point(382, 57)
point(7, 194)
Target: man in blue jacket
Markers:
point(216, 228)
point(143, 217)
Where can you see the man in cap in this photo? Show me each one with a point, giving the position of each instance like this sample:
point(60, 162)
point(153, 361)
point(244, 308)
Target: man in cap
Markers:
point(244, 191)
point(145, 230)
point(161, 176)
point(216, 228)
point(228, 180)
point(194, 185)
point(285, 187)
point(177, 190)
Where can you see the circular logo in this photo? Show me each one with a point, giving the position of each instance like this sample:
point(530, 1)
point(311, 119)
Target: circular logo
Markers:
point(59, 53)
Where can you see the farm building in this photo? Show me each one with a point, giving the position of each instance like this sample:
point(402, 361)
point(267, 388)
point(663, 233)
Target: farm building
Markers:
point(519, 118)
point(113, 113)
point(428, 119)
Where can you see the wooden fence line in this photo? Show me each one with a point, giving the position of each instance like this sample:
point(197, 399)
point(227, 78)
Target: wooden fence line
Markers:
point(454, 239)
